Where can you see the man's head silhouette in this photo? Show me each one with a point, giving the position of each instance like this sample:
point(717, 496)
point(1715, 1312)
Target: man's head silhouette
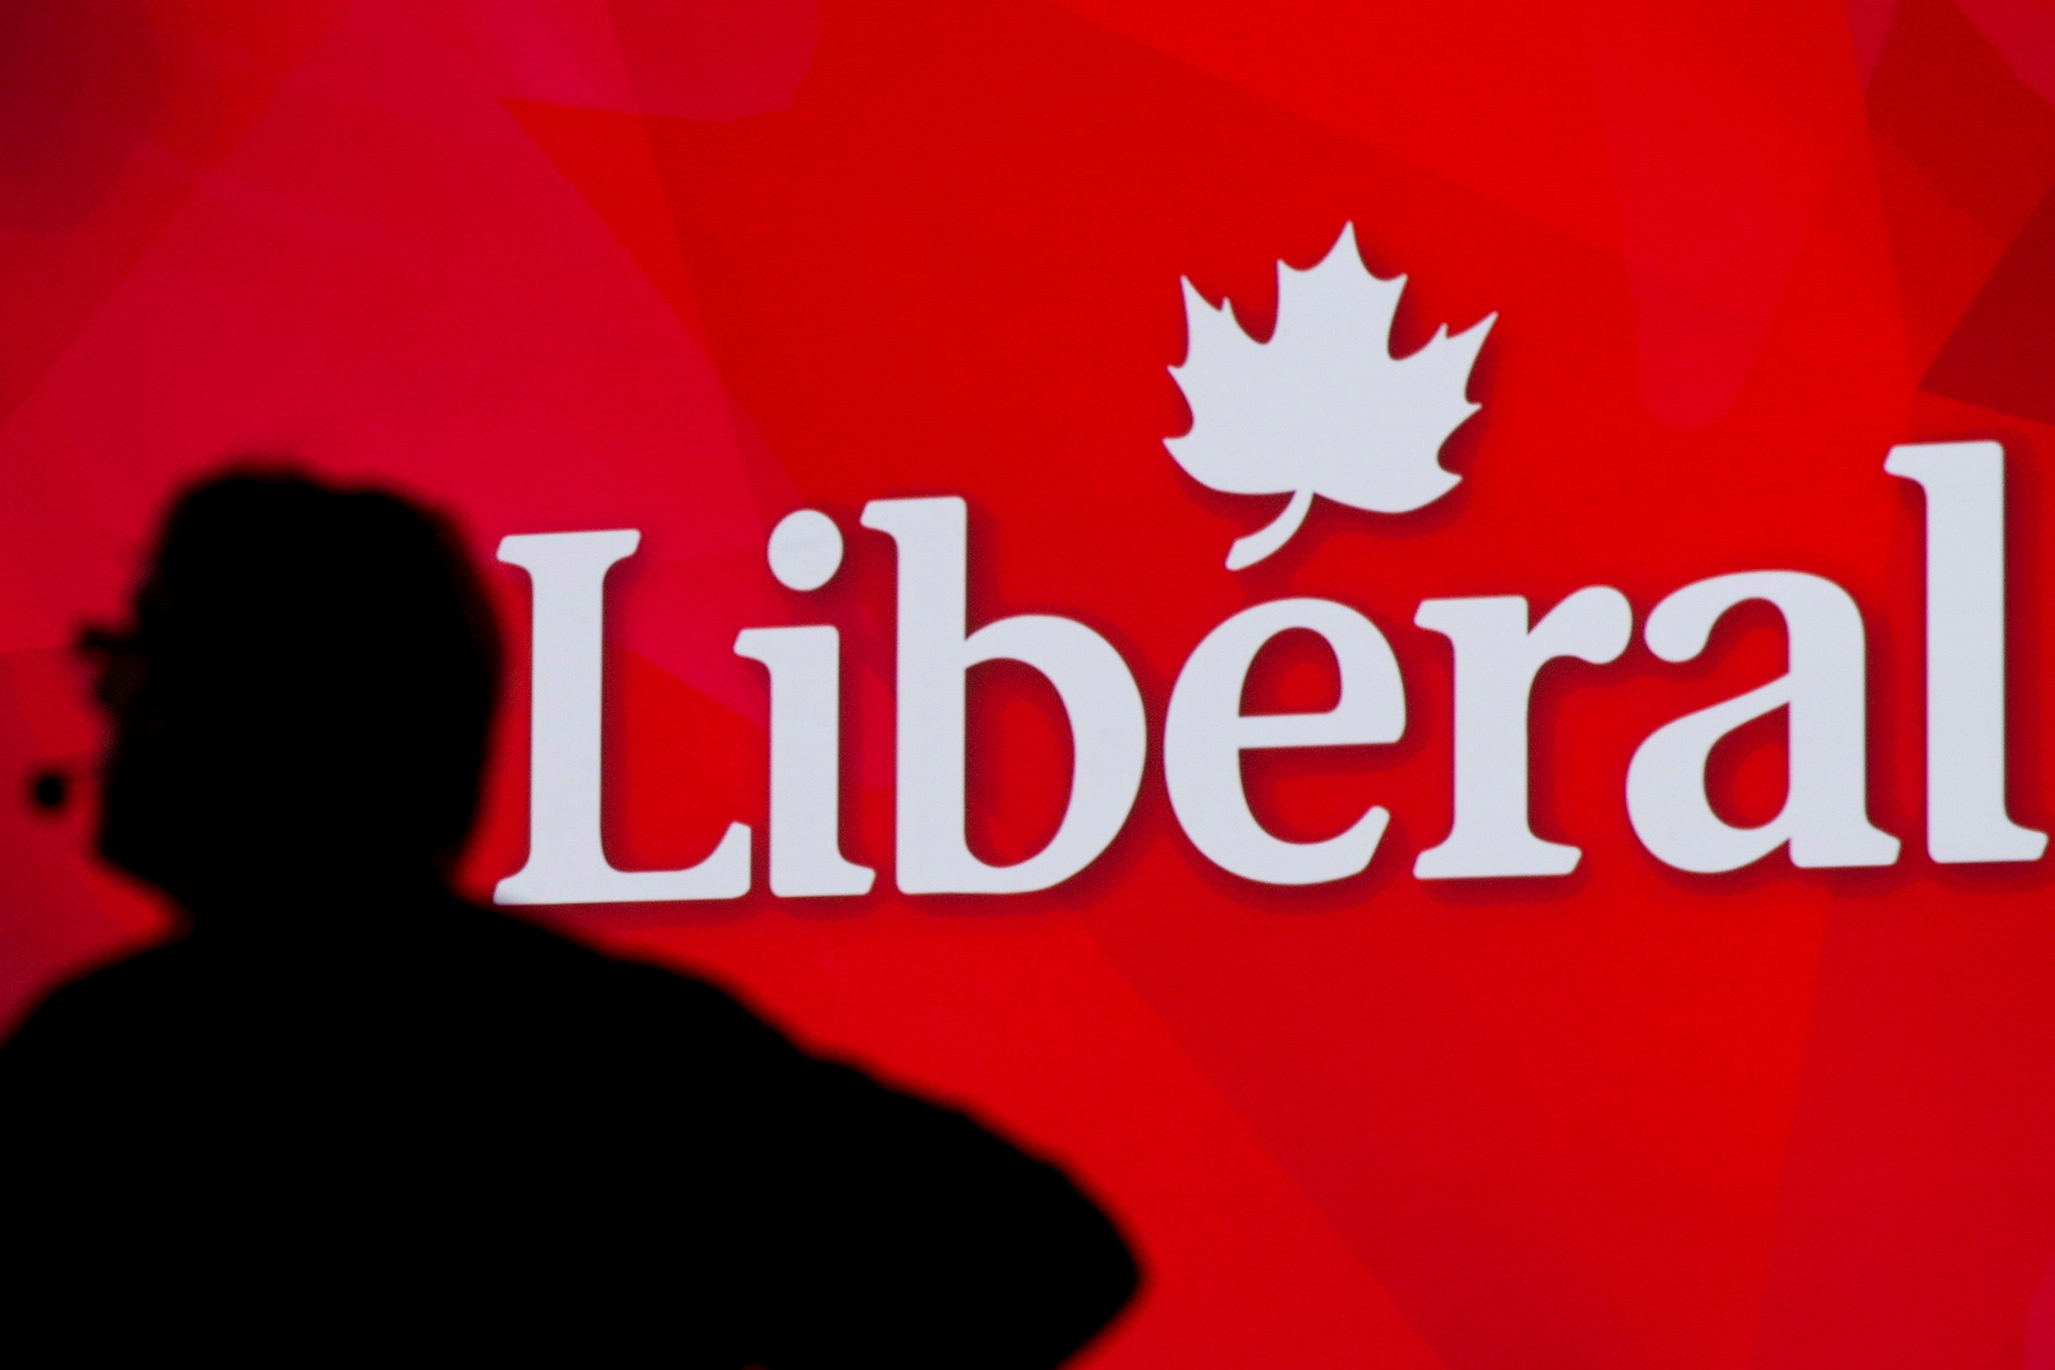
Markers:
point(302, 698)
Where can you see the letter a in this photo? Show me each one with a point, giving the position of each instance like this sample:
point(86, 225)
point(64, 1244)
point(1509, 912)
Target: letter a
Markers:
point(1825, 815)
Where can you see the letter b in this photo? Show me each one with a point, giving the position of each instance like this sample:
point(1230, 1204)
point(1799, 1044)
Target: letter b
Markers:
point(934, 656)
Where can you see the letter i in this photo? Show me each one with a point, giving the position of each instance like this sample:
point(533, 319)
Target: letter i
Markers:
point(806, 736)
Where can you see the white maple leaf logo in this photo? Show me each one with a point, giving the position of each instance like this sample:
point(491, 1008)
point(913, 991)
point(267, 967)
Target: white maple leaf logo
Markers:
point(1323, 408)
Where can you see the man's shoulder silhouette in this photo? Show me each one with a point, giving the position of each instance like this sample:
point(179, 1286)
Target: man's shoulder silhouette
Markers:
point(564, 1149)
point(423, 985)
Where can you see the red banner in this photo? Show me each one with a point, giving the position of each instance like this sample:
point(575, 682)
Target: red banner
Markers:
point(1414, 636)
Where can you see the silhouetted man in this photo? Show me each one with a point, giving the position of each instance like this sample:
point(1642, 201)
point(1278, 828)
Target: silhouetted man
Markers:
point(348, 1113)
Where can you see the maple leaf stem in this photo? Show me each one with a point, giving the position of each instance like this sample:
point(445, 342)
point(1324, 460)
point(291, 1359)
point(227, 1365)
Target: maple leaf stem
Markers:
point(1267, 539)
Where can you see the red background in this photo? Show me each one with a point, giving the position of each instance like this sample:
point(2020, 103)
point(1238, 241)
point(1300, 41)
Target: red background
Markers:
point(564, 264)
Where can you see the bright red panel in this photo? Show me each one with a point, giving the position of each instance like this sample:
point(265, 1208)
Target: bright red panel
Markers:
point(565, 264)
